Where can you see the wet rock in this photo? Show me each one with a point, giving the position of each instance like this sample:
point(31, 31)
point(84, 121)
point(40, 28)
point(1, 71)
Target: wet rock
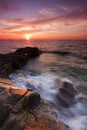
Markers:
point(66, 94)
point(12, 61)
point(28, 51)
point(31, 101)
point(35, 52)
point(23, 115)
point(12, 124)
point(62, 101)
point(6, 69)
point(19, 61)
point(2, 56)
point(4, 113)
point(5, 81)
point(70, 89)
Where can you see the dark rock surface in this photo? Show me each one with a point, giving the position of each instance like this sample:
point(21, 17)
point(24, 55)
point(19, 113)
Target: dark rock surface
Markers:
point(66, 94)
point(31, 101)
point(28, 51)
point(24, 110)
point(69, 89)
point(12, 61)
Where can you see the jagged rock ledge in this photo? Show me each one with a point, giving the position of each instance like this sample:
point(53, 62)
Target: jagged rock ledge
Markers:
point(12, 61)
point(25, 110)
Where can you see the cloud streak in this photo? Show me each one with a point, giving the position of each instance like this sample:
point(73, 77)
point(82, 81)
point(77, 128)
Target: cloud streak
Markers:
point(62, 18)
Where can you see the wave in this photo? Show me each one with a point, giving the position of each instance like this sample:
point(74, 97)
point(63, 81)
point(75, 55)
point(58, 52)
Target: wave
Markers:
point(48, 85)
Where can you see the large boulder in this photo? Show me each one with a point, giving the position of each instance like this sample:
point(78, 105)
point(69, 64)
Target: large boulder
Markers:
point(28, 51)
point(12, 61)
point(69, 87)
point(66, 94)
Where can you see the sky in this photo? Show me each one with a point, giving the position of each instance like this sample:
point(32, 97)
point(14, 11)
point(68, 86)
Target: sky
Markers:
point(43, 19)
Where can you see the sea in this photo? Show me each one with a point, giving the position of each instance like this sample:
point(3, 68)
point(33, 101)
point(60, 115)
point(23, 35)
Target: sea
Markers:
point(45, 74)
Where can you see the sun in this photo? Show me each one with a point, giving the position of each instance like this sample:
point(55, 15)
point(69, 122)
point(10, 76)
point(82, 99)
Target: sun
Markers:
point(27, 36)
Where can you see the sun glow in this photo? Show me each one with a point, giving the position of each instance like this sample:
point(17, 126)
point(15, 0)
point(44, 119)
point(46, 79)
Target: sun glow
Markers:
point(27, 36)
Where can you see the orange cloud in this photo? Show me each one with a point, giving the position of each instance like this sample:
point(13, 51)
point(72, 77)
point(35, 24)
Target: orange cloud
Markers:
point(70, 25)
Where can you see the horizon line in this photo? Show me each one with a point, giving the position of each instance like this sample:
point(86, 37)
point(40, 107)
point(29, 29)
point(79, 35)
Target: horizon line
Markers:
point(47, 39)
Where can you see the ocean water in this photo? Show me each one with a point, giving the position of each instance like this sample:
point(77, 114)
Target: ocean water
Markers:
point(46, 73)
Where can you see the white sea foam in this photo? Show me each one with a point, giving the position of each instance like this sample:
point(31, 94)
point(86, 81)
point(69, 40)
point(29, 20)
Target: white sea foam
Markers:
point(78, 123)
point(66, 79)
point(79, 109)
point(43, 83)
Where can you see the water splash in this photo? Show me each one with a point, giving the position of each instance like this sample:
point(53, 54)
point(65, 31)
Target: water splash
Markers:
point(75, 116)
point(43, 83)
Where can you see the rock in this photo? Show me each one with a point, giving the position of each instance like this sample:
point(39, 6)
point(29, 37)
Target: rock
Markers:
point(34, 52)
point(19, 61)
point(48, 119)
point(12, 61)
point(62, 101)
point(28, 51)
point(31, 101)
point(5, 81)
point(66, 94)
point(69, 88)
point(6, 69)
point(2, 56)
point(4, 113)
point(26, 111)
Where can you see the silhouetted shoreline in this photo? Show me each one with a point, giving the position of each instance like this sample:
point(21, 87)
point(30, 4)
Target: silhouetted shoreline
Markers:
point(13, 61)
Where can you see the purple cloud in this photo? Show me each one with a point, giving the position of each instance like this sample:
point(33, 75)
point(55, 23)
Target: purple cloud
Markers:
point(6, 7)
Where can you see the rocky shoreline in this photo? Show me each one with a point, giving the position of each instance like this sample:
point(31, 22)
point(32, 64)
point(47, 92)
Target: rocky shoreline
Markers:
point(13, 61)
point(23, 109)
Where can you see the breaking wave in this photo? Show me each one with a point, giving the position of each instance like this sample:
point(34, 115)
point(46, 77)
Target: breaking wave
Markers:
point(48, 84)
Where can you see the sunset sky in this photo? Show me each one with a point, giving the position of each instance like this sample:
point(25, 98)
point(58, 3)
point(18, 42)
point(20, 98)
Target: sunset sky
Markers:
point(43, 19)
